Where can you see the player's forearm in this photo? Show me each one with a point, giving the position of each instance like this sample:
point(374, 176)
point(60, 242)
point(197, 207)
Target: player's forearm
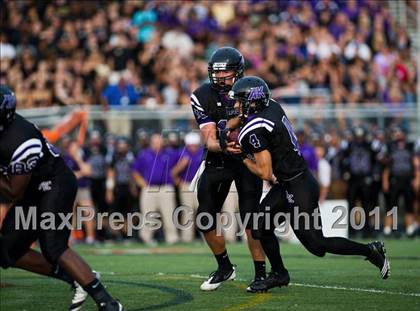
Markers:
point(85, 168)
point(208, 133)
point(140, 181)
point(178, 168)
point(261, 172)
point(214, 146)
point(7, 190)
point(251, 166)
point(5, 187)
point(234, 123)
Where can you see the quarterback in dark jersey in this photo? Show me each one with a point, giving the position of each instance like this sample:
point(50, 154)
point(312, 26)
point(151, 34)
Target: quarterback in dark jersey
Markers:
point(268, 136)
point(211, 107)
point(32, 174)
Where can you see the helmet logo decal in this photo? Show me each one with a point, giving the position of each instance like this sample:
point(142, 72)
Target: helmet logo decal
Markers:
point(219, 66)
point(8, 101)
point(256, 93)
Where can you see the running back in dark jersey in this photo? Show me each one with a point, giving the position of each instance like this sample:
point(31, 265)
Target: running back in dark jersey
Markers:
point(211, 107)
point(24, 150)
point(271, 130)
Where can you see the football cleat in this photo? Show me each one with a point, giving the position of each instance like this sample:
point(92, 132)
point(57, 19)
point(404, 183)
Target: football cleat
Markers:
point(217, 277)
point(274, 279)
point(111, 306)
point(378, 258)
point(80, 295)
point(255, 281)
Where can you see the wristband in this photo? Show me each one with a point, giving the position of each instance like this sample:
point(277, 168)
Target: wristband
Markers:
point(223, 139)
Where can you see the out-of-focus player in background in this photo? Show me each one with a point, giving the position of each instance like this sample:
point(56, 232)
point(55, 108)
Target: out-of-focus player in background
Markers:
point(400, 178)
point(33, 174)
point(268, 136)
point(211, 107)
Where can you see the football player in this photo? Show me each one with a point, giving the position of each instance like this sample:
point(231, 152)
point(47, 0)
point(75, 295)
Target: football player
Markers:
point(33, 174)
point(268, 136)
point(211, 107)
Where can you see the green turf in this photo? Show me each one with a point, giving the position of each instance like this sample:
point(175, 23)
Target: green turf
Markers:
point(168, 278)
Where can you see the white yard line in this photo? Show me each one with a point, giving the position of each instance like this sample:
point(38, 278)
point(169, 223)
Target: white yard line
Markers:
point(356, 289)
point(350, 289)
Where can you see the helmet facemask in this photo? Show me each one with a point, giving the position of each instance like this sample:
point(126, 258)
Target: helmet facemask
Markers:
point(219, 83)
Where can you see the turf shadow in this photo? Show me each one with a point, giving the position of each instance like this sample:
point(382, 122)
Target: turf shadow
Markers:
point(180, 296)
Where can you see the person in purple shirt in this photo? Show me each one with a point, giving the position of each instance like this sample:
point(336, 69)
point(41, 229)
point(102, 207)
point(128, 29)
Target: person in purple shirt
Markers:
point(73, 157)
point(183, 174)
point(152, 173)
point(308, 152)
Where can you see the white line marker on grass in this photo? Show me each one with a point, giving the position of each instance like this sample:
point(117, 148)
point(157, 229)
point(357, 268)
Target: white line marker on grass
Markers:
point(356, 289)
point(352, 289)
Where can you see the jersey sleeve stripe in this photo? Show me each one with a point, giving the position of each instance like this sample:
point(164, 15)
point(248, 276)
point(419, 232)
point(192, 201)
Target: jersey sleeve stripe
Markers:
point(196, 107)
point(256, 121)
point(253, 127)
point(33, 142)
point(27, 153)
point(195, 100)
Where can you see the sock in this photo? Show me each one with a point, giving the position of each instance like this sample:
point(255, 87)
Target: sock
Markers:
point(97, 291)
point(223, 261)
point(259, 269)
point(272, 250)
point(60, 274)
point(342, 246)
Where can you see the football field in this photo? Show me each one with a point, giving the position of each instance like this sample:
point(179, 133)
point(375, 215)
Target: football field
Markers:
point(169, 277)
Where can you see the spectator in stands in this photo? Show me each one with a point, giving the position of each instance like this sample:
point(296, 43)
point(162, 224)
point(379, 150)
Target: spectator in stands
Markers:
point(120, 93)
point(135, 36)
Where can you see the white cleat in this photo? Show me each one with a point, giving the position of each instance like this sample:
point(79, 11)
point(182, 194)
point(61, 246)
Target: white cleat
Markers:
point(217, 277)
point(80, 295)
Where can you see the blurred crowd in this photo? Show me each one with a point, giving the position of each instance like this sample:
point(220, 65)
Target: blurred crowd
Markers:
point(154, 173)
point(154, 53)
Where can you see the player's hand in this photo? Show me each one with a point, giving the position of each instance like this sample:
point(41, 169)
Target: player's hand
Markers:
point(234, 123)
point(233, 148)
point(177, 181)
point(274, 180)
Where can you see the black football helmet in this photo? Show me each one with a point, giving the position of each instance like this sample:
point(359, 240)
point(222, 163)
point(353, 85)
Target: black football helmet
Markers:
point(252, 93)
point(225, 59)
point(7, 106)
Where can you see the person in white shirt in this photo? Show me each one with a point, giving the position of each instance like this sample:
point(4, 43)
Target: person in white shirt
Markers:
point(324, 173)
